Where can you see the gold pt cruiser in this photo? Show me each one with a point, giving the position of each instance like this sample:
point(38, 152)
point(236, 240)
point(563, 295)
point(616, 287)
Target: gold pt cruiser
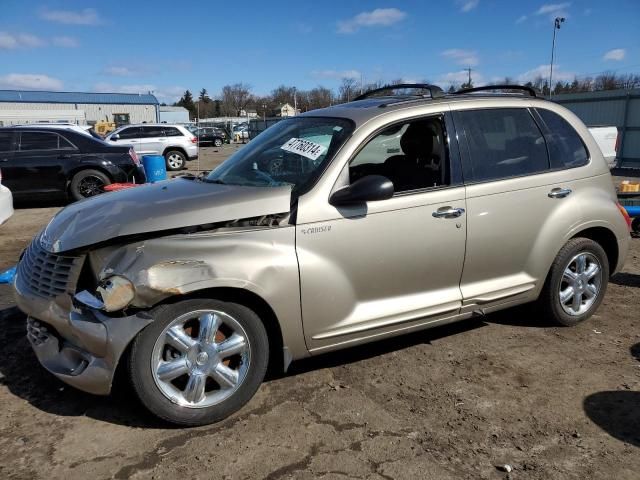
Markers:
point(402, 210)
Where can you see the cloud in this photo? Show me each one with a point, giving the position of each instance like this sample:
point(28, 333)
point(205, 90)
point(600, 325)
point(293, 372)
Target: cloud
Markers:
point(543, 71)
point(467, 5)
point(521, 19)
point(65, 42)
point(336, 74)
point(88, 16)
point(378, 17)
point(462, 57)
point(163, 94)
point(554, 10)
point(29, 81)
point(616, 54)
point(9, 41)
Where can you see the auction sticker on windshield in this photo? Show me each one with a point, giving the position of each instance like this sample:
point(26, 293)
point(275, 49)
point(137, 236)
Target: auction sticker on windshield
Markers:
point(304, 147)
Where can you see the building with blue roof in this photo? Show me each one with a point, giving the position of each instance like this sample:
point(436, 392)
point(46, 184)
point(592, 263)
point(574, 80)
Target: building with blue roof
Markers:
point(83, 108)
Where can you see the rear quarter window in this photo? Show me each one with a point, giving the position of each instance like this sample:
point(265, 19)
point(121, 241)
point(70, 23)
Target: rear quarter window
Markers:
point(566, 149)
point(503, 143)
point(174, 132)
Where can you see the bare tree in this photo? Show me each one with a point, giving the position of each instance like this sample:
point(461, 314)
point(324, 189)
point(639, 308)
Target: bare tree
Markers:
point(348, 89)
point(319, 97)
point(235, 97)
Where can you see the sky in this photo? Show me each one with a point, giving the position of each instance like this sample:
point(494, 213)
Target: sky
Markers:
point(169, 46)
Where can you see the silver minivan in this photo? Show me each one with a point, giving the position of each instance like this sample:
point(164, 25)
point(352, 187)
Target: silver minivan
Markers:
point(345, 225)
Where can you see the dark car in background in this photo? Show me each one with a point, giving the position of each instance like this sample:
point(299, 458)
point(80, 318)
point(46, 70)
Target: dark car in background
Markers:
point(54, 162)
point(210, 136)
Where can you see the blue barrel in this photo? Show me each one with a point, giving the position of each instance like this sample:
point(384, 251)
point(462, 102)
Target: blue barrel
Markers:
point(632, 211)
point(154, 168)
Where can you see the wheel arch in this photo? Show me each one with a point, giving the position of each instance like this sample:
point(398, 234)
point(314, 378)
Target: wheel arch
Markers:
point(177, 148)
point(278, 359)
point(606, 239)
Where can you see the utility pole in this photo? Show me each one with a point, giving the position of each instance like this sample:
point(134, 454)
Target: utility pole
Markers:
point(556, 26)
point(469, 71)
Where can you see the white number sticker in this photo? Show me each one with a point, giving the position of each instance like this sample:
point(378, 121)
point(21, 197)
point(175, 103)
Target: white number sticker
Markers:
point(305, 148)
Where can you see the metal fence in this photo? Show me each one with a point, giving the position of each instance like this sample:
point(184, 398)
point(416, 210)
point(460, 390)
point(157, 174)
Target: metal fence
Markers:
point(613, 107)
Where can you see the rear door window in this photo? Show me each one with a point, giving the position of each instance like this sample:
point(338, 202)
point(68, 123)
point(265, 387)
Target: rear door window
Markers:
point(152, 132)
point(38, 141)
point(566, 149)
point(503, 143)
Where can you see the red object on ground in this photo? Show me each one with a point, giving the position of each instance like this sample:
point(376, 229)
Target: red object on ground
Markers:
point(114, 187)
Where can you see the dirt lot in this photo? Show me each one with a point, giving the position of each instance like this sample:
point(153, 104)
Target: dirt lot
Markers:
point(451, 402)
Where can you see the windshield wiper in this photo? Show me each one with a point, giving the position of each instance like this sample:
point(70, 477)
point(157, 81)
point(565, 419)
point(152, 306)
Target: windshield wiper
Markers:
point(218, 181)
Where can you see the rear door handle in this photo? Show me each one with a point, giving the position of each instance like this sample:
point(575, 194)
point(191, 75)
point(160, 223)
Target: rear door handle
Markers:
point(448, 212)
point(559, 192)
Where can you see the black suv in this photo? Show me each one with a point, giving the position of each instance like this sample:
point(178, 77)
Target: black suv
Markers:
point(210, 135)
point(40, 161)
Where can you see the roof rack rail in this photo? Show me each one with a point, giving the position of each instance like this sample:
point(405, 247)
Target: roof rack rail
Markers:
point(530, 90)
point(434, 90)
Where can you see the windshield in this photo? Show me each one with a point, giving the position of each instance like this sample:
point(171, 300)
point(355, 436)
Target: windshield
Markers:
point(291, 152)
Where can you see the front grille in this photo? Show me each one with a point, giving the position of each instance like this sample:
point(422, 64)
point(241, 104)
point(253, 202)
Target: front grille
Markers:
point(46, 274)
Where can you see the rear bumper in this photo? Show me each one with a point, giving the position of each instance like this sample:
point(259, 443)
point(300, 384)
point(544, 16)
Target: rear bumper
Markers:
point(80, 346)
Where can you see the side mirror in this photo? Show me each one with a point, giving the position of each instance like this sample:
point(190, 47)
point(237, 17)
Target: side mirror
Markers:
point(114, 137)
point(367, 189)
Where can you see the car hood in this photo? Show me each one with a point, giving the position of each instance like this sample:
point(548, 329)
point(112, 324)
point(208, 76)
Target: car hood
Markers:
point(158, 207)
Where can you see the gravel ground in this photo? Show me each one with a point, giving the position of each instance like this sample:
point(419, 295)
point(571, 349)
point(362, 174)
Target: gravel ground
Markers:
point(451, 402)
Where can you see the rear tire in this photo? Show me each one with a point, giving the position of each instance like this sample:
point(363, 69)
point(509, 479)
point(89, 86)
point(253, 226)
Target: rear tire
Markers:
point(88, 183)
point(217, 142)
point(175, 159)
point(577, 282)
point(181, 370)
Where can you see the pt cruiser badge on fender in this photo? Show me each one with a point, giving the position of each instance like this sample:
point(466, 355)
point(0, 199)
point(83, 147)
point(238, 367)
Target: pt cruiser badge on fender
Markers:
point(344, 225)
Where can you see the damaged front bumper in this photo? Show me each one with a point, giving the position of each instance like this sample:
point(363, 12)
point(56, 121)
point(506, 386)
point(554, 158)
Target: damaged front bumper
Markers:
point(79, 345)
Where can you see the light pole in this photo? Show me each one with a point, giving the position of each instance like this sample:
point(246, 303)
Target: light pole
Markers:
point(556, 26)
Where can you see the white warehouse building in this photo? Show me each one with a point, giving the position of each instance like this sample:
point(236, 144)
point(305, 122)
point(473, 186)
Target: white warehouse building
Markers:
point(25, 106)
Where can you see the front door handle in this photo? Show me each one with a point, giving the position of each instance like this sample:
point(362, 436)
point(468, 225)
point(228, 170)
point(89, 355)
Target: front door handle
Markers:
point(559, 192)
point(448, 212)
point(4, 159)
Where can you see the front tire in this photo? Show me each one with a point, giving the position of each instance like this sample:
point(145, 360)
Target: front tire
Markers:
point(88, 183)
point(175, 160)
point(577, 282)
point(199, 361)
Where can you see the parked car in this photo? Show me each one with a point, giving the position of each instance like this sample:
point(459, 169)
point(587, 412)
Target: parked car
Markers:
point(85, 129)
point(483, 202)
point(6, 202)
point(607, 139)
point(174, 142)
point(210, 136)
point(240, 131)
point(54, 161)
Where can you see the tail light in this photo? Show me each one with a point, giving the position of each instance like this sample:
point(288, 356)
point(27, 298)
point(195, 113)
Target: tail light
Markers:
point(625, 214)
point(194, 139)
point(0, 176)
point(134, 156)
point(617, 145)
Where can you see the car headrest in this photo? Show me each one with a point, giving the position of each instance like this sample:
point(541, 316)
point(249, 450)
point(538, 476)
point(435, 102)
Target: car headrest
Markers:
point(417, 141)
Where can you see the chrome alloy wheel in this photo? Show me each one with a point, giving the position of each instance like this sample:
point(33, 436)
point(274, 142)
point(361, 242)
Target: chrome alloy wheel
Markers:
point(201, 358)
point(580, 284)
point(175, 161)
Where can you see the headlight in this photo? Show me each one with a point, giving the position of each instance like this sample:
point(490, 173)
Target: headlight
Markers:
point(116, 293)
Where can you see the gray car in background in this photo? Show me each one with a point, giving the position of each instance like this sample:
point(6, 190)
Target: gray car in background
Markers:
point(341, 226)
